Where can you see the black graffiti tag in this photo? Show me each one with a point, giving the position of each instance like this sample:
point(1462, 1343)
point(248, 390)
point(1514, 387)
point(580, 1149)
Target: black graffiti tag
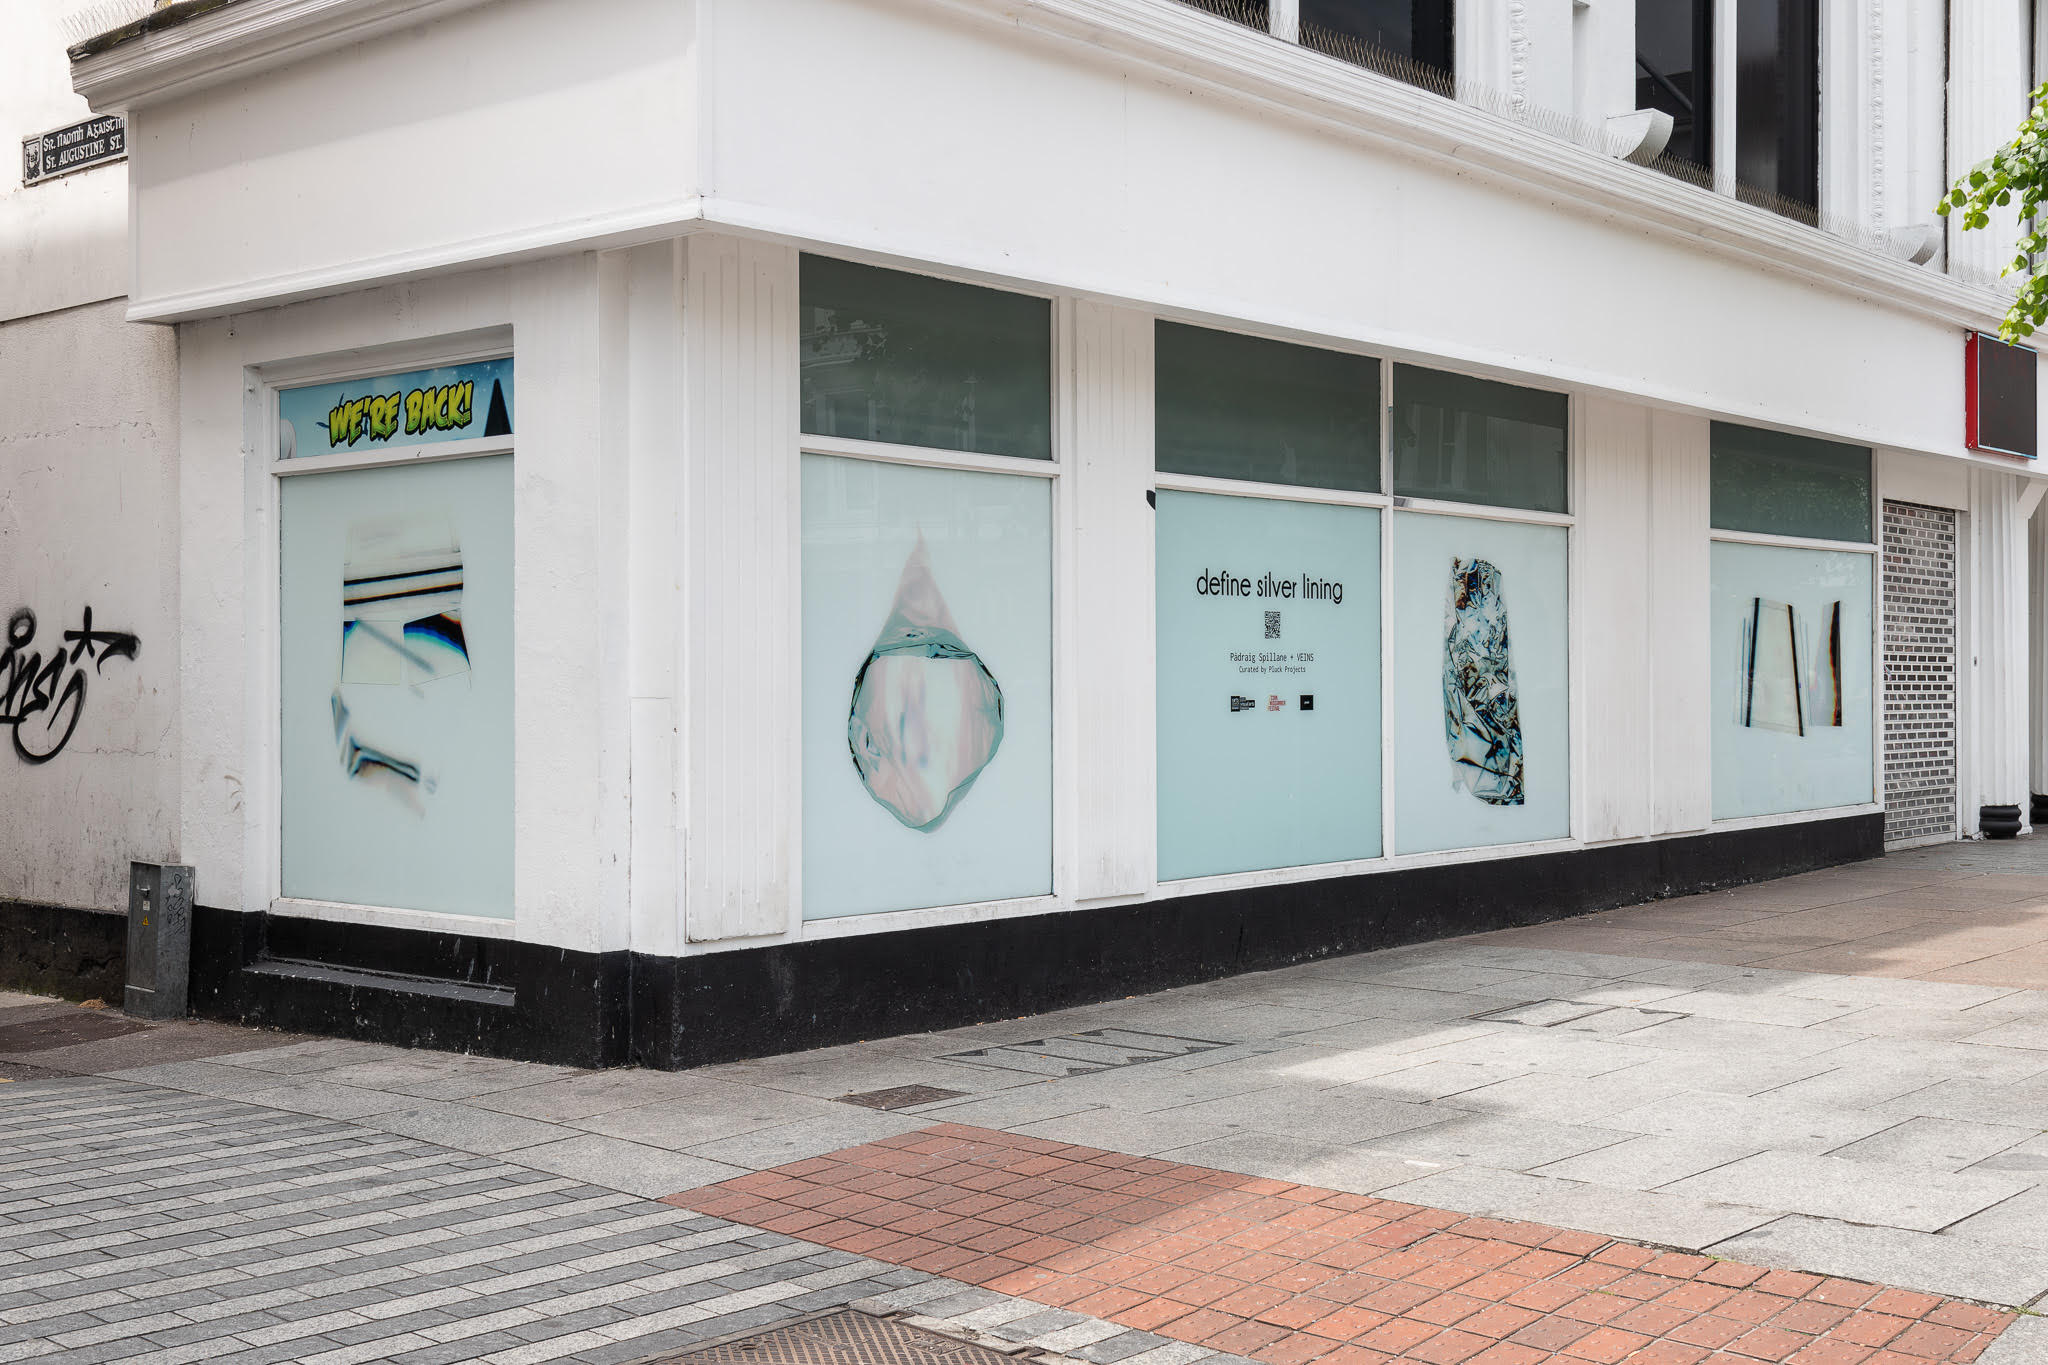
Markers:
point(42, 699)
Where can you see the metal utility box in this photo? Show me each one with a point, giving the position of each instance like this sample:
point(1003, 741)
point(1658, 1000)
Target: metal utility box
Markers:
point(159, 940)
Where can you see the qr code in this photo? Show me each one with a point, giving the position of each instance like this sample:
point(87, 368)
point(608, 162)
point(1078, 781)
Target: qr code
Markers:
point(1272, 625)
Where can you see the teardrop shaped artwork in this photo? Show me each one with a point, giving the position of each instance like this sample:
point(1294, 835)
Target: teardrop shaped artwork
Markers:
point(1482, 714)
point(927, 714)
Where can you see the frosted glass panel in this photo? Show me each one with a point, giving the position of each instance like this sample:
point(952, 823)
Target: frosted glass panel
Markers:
point(891, 356)
point(1241, 407)
point(1785, 485)
point(1474, 440)
point(396, 678)
point(1481, 738)
point(1792, 679)
point(1269, 684)
point(927, 686)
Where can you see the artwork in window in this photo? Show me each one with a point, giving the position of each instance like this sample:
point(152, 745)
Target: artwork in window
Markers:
point(926, 659)
point(1775, 694)
point(419, 407)
point(927, 714)
point(1479, 728)
point(401, 626)
point(1482, 718)
point(396, 686)
point(1792, 666)
point(1771, 699)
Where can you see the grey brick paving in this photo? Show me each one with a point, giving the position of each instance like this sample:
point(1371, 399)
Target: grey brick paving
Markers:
point(150, 1226)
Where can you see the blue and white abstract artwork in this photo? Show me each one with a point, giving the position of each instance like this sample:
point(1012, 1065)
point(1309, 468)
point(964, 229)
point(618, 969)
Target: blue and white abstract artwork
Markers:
point(1482, 715)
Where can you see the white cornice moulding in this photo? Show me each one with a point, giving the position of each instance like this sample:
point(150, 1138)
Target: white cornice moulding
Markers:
point(240, 40)
point(1176, 40)
point(1230, 60)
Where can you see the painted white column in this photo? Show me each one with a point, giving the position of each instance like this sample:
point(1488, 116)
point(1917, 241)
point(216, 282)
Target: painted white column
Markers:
point(1853, 110)
point(1989, 67)
point(2037, 645)
point(1680, 575)
point(1480, 45)
point(1612, 621)
point(651, 283)
point(1113, 718)
point(1998, 705)
point(740, 785)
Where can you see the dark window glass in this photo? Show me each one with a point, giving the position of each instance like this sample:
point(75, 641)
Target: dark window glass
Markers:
point(889, 356)
point(1785, 485)
point(1238, 407)
point(1251, 13)
point(1407, 39)
point(1473, 440)
point(1777, 103)
point(1675, 73)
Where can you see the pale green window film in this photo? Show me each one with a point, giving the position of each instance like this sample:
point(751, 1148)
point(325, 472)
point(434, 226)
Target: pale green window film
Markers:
point(1269, 683)
point(1474, 440)
point(1792, 719)
point(1785, 485)
point(927, 686)
point(1481, 720)
point(1240, 407)
point(395, 590)
point(912, 360)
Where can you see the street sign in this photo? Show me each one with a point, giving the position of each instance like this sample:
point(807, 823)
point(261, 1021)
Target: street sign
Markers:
point(92, 142)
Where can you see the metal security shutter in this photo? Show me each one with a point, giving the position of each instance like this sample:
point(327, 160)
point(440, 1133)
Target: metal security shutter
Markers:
point(1919, 673)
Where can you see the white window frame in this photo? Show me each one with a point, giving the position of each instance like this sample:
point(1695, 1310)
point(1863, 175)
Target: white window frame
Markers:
point(1060, 403)
point(1389, 503)
point(260, 392)
point(1870, 548)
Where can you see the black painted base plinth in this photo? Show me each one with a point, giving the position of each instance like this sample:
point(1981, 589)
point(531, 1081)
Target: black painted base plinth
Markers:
point(502, 998)
point(1999, 822)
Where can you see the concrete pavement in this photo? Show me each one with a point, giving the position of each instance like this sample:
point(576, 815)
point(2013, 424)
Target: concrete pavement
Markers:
point(1844, 1073)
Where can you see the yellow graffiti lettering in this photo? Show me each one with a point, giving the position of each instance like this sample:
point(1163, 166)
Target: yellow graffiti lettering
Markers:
point(447, 408)
point(345, 421)
point(384, 417)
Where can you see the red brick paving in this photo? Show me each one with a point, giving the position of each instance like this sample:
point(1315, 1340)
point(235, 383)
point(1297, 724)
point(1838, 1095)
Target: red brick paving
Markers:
point(1290, 1274)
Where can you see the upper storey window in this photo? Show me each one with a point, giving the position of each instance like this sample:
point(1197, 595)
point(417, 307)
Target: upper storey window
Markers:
point(1407, 39)
point(1768, 151)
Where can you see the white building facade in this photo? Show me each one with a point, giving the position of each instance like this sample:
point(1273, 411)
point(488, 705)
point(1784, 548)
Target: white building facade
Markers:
point(727, 525)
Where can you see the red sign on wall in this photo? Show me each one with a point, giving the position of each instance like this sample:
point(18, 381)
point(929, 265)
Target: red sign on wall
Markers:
point(2001, 397)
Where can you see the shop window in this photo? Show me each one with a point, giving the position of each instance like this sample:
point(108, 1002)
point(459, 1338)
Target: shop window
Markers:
point(1792, 719)
point(395, 638)
point(927, 686)
point(912, 360)
point(1410, 40)
point(1474, 440)
point(1480, 709)
point(1243, 407)
point(1779, 484)
point(1674, 72)
point(1269, 683)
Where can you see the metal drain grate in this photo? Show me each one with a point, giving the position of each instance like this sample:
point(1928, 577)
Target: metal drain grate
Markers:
point(1082, 1054)
point(1576, 1016)
point(843, 1337)
point(901, 1096)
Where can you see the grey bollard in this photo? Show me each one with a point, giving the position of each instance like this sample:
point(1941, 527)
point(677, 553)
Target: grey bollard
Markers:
point(159, 940)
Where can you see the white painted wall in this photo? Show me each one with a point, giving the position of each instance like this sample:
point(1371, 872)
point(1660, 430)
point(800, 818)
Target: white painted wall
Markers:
point(505, 129)
point(62, 242)
point(88, 485)
point(88, 495)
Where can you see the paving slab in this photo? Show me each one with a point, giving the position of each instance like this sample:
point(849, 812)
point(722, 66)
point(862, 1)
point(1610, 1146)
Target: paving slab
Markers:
point(1939, 1264)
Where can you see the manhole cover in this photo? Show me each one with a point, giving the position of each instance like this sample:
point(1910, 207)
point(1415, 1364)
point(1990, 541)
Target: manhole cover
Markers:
point(840, 1338)
point(63, 1030)
point(1081, 1054)
point(901, 1096)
